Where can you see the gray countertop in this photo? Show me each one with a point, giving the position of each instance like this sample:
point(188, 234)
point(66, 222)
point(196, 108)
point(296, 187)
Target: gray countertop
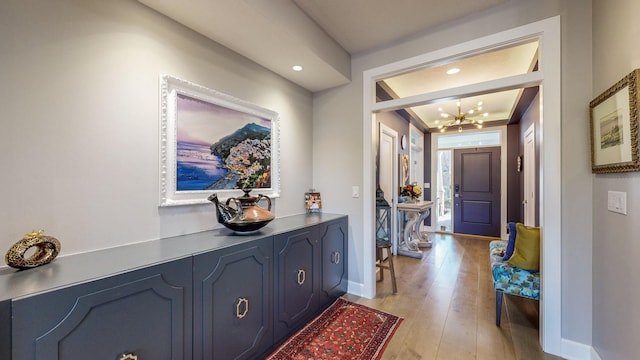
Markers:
point(75, 269)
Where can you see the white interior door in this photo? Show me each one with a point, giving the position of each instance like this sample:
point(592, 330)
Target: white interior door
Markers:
point(388, 174)
point(529, 160)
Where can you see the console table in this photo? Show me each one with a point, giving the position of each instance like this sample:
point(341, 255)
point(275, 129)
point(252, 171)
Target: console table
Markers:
point(412, 239)
point(208, 295)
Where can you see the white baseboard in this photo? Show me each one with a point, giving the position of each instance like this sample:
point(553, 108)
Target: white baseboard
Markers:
point(355, 288)
point(573, 350)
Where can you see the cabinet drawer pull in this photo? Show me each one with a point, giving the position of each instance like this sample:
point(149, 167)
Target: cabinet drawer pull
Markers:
point(335, 257)
point(239, 306)
point(129, 356)
point(302, 276)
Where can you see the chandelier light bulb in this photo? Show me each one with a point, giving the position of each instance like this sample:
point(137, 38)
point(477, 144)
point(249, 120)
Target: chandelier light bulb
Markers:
point(460, 118)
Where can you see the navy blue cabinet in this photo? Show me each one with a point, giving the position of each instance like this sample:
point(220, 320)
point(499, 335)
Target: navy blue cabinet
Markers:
point(334, 244)
point(297, 260)
point(310, 273)
point(5, 329)
point(145, 313)
point(232, 312)
point(209, 295)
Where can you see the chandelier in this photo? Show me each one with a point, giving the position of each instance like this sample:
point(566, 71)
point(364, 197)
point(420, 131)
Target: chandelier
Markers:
point(448, 120)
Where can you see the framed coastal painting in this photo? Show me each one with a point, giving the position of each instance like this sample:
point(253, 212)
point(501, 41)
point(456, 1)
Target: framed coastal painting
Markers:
point(614, 127)
point(211, 142)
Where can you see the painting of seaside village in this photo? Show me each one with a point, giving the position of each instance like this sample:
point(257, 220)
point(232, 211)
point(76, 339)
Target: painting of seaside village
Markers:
point(220, 148)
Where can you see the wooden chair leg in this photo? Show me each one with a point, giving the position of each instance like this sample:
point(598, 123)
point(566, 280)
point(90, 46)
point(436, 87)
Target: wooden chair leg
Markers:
point(392, 271)
point(499, 295)
point(379, 258)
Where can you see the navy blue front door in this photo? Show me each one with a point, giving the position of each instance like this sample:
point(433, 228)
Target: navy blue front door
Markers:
point(476, 191)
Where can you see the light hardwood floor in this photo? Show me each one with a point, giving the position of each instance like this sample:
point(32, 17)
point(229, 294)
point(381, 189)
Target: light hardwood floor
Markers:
point(448, 305)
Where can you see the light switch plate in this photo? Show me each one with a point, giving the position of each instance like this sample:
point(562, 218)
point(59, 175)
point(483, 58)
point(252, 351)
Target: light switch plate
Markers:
point(617, 202)
point(355, 191)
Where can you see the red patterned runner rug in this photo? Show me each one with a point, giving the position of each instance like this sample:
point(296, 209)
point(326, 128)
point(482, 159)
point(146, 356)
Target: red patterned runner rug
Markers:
point(345, 330)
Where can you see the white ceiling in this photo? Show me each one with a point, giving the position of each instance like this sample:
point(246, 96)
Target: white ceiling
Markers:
point(509, 61)
point(349, 22)
point(321, 35)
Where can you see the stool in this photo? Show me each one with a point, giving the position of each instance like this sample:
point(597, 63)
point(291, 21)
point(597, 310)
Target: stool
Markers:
point(386, 245)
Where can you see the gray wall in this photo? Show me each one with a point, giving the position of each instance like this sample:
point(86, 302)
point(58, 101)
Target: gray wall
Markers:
point(616, 314)
point(79, 141)
point(514, 195)
point(80, 111)
point(401, 125)
point(341, 108)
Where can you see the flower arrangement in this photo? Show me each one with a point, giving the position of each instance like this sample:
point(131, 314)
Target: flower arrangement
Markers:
point(414, 191)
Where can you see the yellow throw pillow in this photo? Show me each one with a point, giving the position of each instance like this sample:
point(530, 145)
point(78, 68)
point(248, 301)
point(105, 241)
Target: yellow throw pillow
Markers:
point(526, 254)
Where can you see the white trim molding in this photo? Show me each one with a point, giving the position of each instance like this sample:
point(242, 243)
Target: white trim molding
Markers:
point(548, 77)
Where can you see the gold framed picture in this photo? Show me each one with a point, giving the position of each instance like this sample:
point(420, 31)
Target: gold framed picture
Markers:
point(614, 127)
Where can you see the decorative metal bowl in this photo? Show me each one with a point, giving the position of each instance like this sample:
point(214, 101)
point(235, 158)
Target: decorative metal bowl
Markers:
point(246, 215)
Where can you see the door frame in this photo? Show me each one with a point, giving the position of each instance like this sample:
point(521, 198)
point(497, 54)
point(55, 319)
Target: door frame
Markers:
point(394, 182)
point(419, 148)
point(549, 79)
point(529, 177)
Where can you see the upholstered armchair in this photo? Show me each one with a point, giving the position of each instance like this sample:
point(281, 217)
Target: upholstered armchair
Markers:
point(516, 273)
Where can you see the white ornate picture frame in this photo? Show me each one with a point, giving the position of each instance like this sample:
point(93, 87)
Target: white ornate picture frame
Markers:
point(212, 142)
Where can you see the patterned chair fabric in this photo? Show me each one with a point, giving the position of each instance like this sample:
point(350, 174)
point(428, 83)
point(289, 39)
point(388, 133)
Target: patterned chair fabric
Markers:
point(511, 280)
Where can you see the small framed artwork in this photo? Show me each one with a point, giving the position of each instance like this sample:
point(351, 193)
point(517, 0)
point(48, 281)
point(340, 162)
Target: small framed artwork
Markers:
point(614, 127)
point(404, 169)
point(212, 142)
point(312, 201)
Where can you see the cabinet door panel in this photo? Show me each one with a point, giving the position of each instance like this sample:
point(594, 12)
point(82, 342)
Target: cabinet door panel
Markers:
point(146, 313)
point(297, 260)
point(333, 241)
point(232, 315)
point(5, 329)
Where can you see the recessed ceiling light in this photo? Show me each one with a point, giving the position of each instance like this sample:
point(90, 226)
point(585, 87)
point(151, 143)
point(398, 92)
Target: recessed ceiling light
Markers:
point(453, 71)
point(297, 68)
